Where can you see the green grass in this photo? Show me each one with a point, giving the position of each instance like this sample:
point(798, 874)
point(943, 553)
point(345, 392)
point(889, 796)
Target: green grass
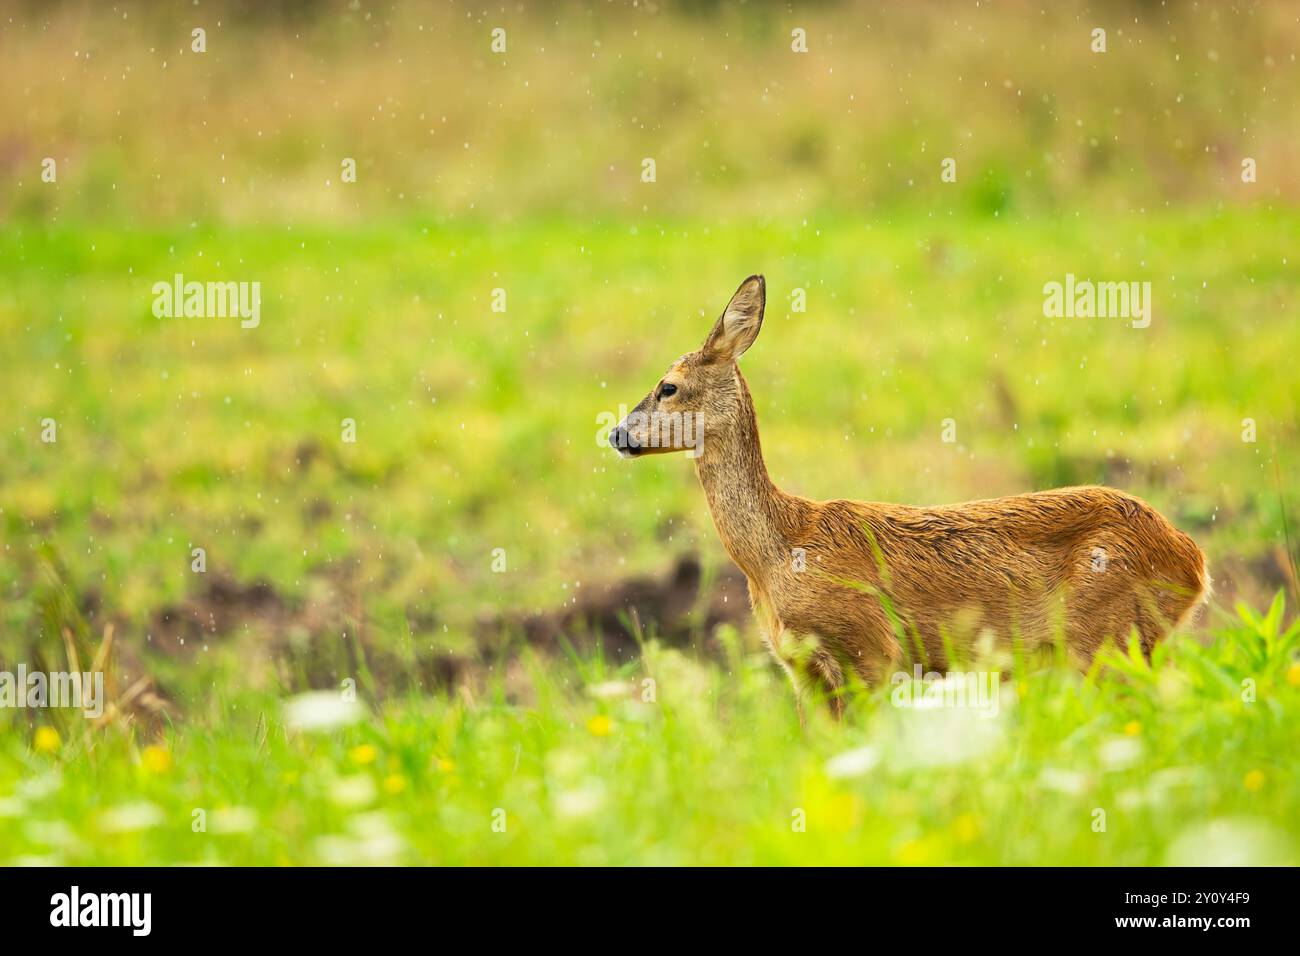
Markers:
point(477, 430)
point(674, 761)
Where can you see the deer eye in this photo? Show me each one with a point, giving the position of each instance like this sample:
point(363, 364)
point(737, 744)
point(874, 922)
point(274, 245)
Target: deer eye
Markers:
point(666, 389)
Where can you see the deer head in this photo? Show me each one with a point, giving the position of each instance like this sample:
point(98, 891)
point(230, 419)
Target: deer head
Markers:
point(700, 387)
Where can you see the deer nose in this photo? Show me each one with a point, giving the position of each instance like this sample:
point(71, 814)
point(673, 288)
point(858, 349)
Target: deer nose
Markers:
point(622, 441)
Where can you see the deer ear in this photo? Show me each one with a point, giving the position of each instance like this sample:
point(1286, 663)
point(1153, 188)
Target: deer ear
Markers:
point(739, 323)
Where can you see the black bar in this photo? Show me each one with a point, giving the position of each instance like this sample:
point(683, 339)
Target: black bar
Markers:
point(300, 906)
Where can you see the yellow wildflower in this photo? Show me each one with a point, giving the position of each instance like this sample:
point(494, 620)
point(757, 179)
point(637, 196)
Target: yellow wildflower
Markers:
point(363, 754)
point(155, 759)
point(47, 740)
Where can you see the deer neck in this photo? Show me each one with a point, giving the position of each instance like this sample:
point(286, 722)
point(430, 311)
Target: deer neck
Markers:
point(750, 513)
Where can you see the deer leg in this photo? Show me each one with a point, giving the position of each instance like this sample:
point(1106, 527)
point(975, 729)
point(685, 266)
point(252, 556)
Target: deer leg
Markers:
point(816, 671)
point(812, 670)
point(774, 637)
point(791, 669)
point(831, 678)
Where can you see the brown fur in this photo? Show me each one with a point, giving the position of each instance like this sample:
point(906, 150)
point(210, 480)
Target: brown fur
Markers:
point(884, 584)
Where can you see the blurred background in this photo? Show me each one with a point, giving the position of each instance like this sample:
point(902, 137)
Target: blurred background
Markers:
point(503, 270)
point(741, 127)
point(523, 171)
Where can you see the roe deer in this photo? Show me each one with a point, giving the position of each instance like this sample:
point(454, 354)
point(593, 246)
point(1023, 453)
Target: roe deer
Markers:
point(846, 587)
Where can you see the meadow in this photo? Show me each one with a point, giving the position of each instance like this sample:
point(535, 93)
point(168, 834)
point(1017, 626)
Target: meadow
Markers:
point(1162, 764)
point(399, 471)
